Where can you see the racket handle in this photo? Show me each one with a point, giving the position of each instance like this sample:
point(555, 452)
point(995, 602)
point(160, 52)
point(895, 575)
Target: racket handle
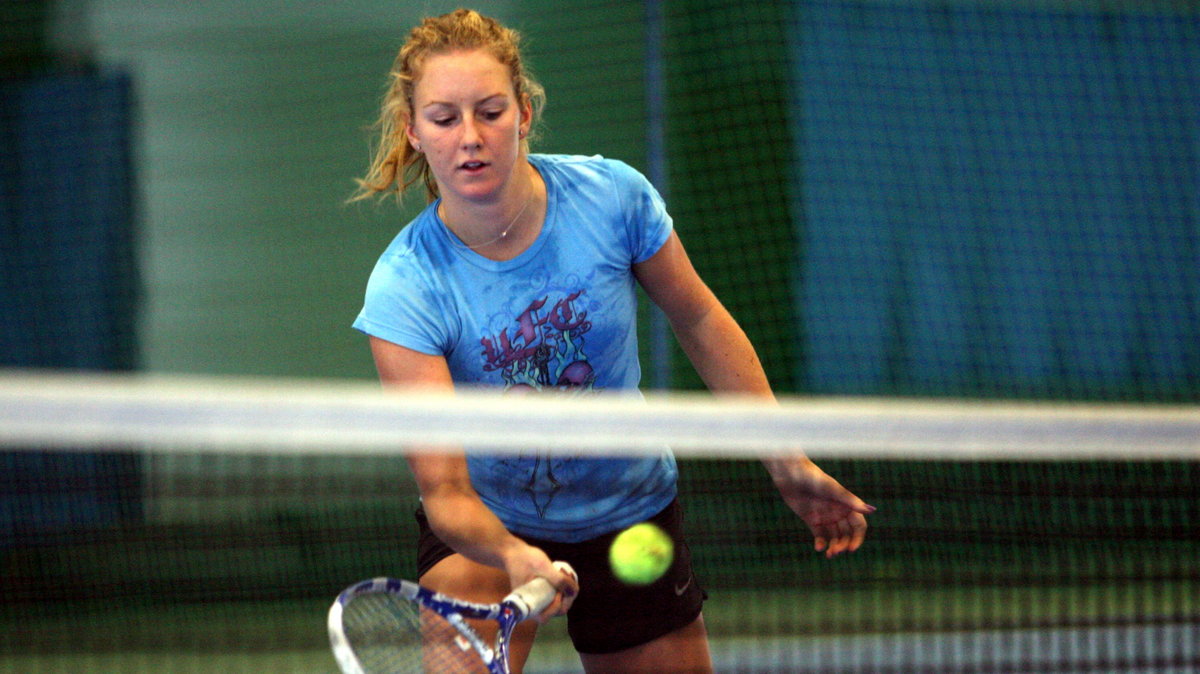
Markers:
point(533, 597)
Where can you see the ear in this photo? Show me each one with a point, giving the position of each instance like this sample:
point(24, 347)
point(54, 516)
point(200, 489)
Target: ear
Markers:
point(411, 134)
point(526, 116)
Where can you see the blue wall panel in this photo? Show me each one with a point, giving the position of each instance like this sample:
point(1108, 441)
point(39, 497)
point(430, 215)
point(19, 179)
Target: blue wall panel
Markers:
point(998, 200)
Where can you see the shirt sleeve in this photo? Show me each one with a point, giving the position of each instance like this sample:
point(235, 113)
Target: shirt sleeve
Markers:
point(647, 223)
point(400, 307)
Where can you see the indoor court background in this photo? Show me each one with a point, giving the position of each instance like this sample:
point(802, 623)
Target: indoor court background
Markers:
point(974, 199)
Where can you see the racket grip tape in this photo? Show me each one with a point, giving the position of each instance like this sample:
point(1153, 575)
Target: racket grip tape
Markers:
point(533, 597)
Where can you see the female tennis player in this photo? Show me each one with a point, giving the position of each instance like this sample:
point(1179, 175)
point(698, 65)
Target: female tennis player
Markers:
point(520, 274)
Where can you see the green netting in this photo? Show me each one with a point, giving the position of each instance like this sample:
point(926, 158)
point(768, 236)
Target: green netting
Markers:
point(913, 198)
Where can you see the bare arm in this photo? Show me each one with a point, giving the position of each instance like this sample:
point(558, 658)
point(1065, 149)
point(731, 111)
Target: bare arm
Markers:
point(456, 513)
point(727, 363)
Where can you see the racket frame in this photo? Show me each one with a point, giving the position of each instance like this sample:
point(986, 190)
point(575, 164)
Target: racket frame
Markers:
point(524, 602)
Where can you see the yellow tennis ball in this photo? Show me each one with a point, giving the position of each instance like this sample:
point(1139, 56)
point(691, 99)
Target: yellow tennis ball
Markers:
point(641, 554)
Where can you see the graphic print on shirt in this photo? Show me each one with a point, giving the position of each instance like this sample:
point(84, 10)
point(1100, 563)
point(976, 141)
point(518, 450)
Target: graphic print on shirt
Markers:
point(544, 352)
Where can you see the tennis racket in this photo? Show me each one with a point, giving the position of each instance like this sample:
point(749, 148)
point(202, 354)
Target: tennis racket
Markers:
point(397, 626)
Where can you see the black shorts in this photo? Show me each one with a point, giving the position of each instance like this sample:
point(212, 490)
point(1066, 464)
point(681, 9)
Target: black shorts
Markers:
point(608, 615)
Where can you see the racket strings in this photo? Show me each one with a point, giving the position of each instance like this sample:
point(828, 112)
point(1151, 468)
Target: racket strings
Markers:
point(390, 634)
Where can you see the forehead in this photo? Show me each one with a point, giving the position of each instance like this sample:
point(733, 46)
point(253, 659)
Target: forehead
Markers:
point(461, 74)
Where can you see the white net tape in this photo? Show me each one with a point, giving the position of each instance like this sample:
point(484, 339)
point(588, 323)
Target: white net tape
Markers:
point(74, 411)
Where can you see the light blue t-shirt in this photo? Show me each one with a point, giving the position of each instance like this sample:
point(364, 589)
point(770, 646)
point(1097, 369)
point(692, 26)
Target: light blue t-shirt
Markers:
point(561, 316)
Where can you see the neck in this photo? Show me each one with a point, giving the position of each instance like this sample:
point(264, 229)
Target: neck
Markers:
point(481, 225)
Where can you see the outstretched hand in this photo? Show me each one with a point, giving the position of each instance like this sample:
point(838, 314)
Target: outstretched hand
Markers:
point(836, 517)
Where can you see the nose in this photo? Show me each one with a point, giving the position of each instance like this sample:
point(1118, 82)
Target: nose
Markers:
point(470, 134)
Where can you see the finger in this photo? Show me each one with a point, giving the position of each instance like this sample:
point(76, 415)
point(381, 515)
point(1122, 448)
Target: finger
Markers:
point(839, 494)
point(836, 547)
point(841, 538)
point(854, 503)
point(552, 611)
point(568, 585)
point(851, 533)
point(859, 534)
point(565, 601)
point(570, 580)
point(820, 543)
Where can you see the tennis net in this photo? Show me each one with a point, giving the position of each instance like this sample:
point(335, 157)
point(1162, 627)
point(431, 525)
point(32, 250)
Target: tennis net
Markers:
point(154, 523)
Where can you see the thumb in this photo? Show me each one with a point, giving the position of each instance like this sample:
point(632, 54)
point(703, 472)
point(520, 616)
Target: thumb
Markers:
point(847, 498)
point(861, 506)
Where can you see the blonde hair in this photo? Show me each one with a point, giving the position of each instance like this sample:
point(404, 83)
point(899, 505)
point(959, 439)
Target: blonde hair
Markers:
point(396, 165)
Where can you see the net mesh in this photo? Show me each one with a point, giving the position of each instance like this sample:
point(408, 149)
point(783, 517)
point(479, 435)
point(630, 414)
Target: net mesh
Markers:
point(224, 545)
point(984, 200)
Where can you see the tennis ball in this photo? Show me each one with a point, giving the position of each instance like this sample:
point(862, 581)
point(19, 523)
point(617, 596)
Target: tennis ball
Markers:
point(641, 554)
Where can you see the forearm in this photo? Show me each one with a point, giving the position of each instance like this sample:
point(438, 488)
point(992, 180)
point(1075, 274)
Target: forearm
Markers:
point(463, 521)
point(727, 362)
point(469, 527)
point(456, 513)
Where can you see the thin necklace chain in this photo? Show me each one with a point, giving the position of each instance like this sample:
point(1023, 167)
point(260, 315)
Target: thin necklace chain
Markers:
point(461, 244)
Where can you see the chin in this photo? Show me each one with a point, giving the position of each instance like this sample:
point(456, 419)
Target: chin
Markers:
point(478, 190)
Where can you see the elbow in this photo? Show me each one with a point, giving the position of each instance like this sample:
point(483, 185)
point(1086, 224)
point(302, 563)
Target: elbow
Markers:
point(690, 325)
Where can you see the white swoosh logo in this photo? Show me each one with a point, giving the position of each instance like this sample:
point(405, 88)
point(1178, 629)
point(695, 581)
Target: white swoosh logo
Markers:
point(680, 589)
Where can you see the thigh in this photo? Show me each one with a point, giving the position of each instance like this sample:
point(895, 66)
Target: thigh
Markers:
point(462, 578)
point(683, 651)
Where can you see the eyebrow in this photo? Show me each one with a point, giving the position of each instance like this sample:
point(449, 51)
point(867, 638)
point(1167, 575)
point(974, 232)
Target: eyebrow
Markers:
point(434, 104)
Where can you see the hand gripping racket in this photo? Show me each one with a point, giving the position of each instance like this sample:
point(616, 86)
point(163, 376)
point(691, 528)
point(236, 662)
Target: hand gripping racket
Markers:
point(397, 626)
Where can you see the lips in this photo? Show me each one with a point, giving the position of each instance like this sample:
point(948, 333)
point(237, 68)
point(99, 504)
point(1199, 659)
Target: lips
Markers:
point(472, 166)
